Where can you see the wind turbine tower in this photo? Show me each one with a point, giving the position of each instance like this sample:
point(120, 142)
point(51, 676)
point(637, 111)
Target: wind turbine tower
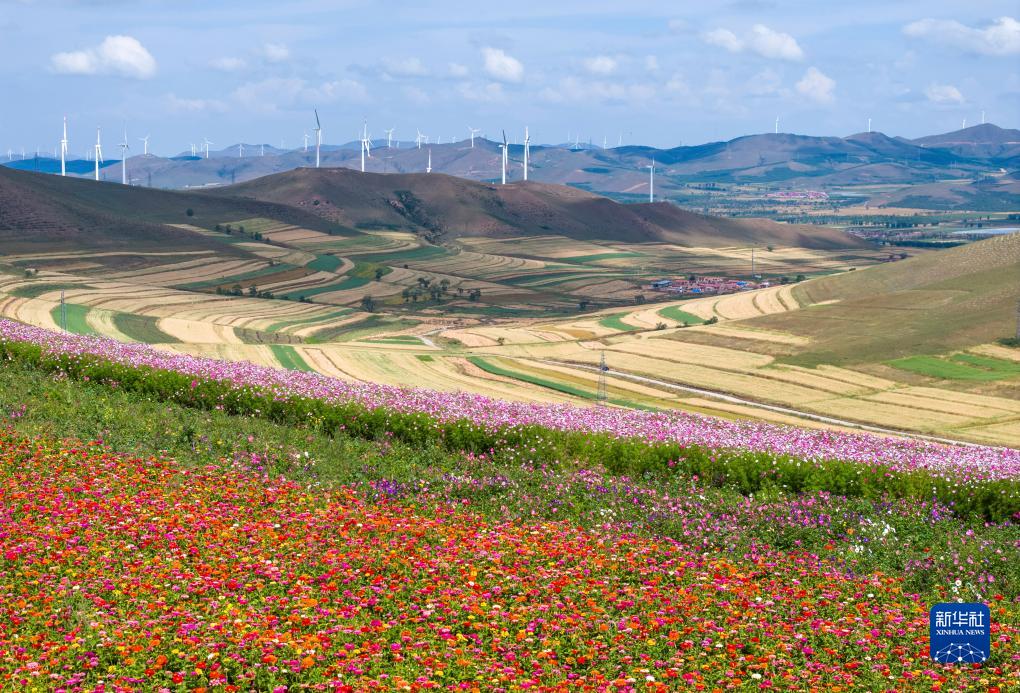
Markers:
point(419, 138)
point(240, 150)
point(982, 117)
point(651, 182)
point(306, 141)
point(145, 142)
point(473, 131)
point(366, 146)
point(506, 156)
point(318, 137)
point(99, 153)
point(206, 143)
point(389, 138)
point(428, 167)
point(63, 151)
point(527, 151)
point(124, 147)
point(869, 126)
point(777, 125)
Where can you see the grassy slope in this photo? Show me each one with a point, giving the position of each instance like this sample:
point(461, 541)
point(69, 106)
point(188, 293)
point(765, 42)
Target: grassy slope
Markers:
point(929, 304)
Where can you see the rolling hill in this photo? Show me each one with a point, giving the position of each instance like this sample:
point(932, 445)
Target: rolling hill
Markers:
point(930, 304)
point(442, 208)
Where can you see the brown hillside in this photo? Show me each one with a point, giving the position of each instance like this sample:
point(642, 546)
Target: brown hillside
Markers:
point(442, 207)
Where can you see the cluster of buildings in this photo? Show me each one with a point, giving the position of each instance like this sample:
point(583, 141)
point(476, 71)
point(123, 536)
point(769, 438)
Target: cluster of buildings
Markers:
point(697, 286)
point(798, 195)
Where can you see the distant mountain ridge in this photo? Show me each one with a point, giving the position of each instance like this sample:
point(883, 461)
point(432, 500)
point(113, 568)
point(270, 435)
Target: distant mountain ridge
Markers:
point(782, 159)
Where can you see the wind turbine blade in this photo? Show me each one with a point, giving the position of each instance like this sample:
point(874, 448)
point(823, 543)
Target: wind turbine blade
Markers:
point(317, 123)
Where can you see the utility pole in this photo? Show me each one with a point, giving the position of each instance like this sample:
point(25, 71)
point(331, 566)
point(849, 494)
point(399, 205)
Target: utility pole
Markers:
point(602, 394)
point(1018, 321)
point(63, 312)
point(752, 263)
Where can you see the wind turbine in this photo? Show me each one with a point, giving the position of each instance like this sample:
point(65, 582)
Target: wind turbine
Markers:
point(206, 142)
point(63, 151)
point(366, 146)
point(777, 125)
point(419, 138)
point(262, 150)
point(473, 131)
point(527, 150)
point(306, 141)
point(506, 150)
point(318, 137)
point(99, 153)
point(982, 117)
point(964, 126)
point(651, 182)
point(428, 168)
point(389, 138)
point(869, 126)
point(145, 142)
point(240, 150)
point(124, 147)
point(193, 150)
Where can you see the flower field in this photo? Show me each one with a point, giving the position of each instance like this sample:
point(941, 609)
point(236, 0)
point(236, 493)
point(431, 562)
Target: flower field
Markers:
point(972, 480)
point(121, 573)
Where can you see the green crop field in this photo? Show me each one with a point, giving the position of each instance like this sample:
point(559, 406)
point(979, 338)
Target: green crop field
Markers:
point(959, 367)
point(288, 357)
point(615, 322)
point(142, 328)
point(678, 314)
point(76, 318)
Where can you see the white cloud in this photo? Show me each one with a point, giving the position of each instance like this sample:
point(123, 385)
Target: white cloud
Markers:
point(116, 55)
point(404, 67)
point(1001, 37)
point(651, 63)
point(677, 84)
point(767, 82)
point(817, 86)
point(491, 92)
point(177, 104)
point(573, 90)
point(600, 65)
point(724, 38)
point(761, 40)
point(282, 93)
point(943, 94)
point(458, 70)
point(228, 64)
point(275, 52)
point(502, 66)
point(416, 95)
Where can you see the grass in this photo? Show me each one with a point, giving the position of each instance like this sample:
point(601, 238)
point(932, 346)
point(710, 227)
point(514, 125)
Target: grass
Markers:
point(958, 367)
point(615, 322)
point(76, 318)
point(289, 358)
point(36, 403)
point(230, 279)
point(425, 252)
point(396, 339)
point(325, 263)
point(424, 357)
point(142, 328)
point(676, 313)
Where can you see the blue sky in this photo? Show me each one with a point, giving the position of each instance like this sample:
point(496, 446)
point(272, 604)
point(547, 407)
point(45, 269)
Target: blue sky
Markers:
point(652, 72)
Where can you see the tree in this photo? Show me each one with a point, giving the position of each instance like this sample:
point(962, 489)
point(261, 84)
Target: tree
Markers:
point(712, 320)
point(801, 277)
point(190, 212)
point(639, 299)
point(474, 294)
point(379, 272)
point(406, 295)
point(368, 304)
point(582, 304)
point(252, 291)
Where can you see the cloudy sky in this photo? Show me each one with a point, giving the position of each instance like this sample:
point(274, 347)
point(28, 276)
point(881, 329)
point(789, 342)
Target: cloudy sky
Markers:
point(647, 72)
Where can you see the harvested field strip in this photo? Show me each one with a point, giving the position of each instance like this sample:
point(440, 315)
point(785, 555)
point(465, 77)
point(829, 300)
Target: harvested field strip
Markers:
point(197, 331)
point(425, 252)
point(289, 357)
point(142, 328)
point(102, 322)
point(77, 318)
point(941, 406)
point(309, 321)
point(680, 315)
point(346, 284)
point(266, 271)
point(36, 290)
point(492, 368)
